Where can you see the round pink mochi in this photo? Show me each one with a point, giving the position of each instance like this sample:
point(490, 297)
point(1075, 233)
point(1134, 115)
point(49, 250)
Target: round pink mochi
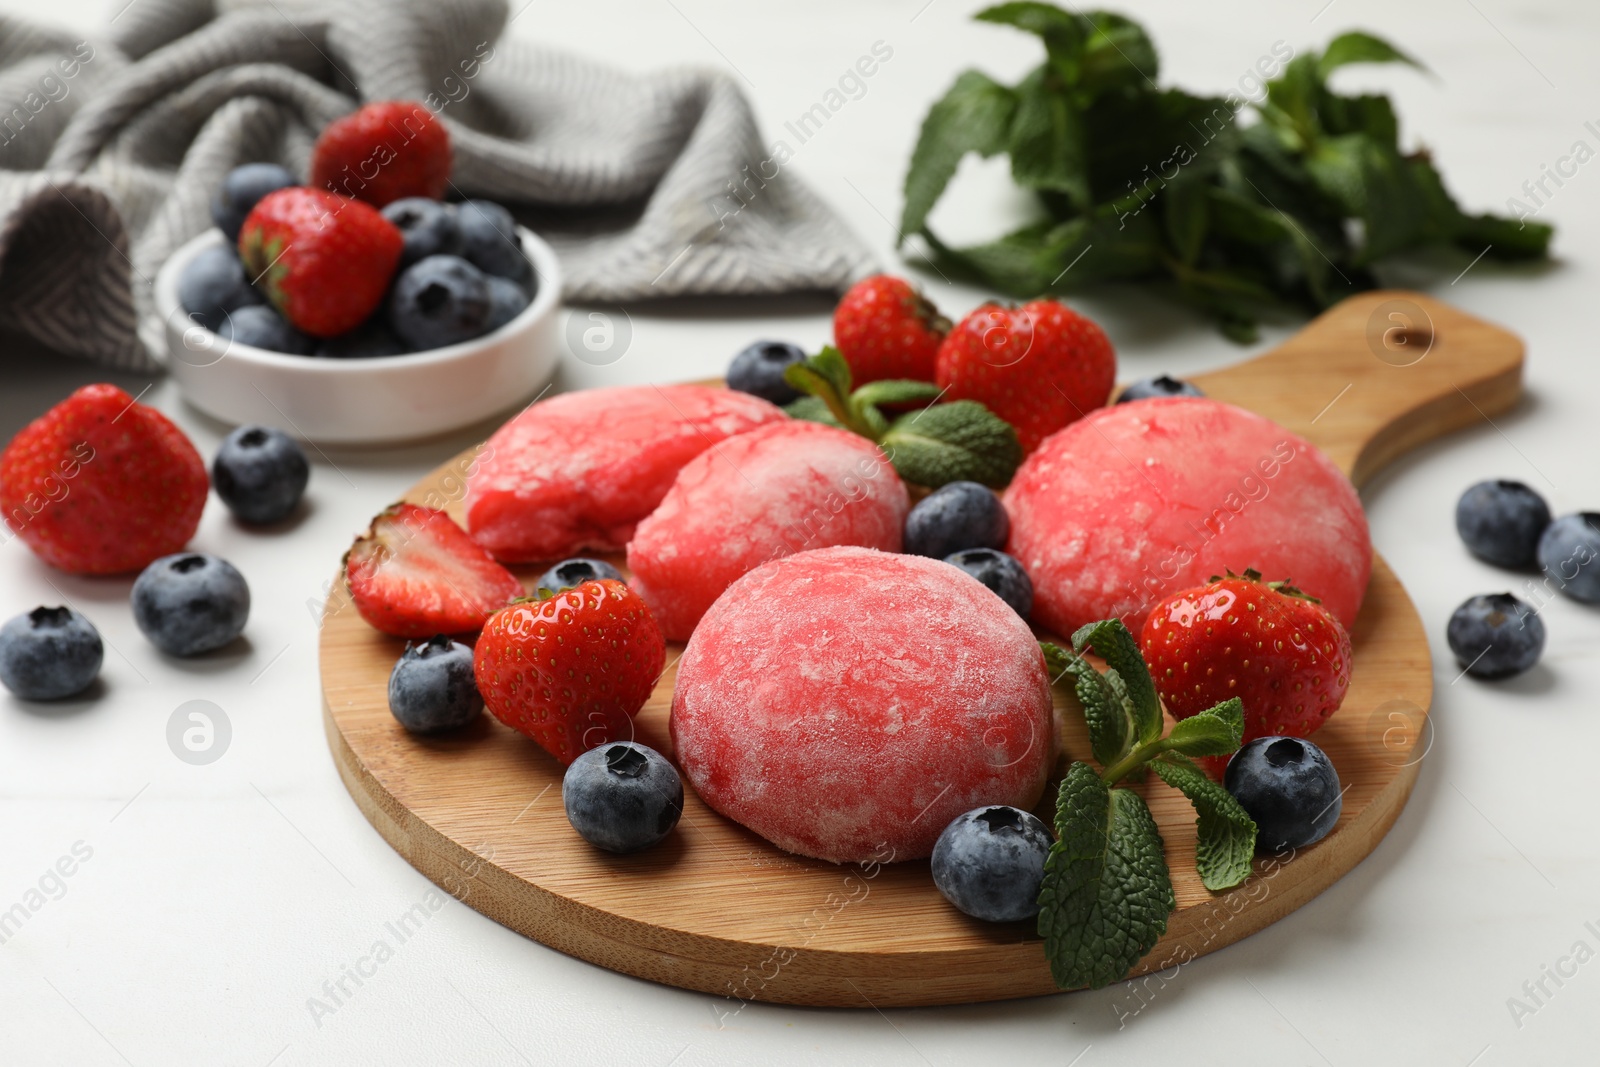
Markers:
point(847, 704)
point(774, 491)
point(578, 471)
point(1144, 499)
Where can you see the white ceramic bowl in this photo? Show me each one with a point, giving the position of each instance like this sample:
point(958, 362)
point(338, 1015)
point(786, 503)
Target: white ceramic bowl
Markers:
point(379, 400)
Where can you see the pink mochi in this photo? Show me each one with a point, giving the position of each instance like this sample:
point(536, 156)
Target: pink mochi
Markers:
point(1140, 500)
point(578, 471)
point(848, 704)
point(775, 491)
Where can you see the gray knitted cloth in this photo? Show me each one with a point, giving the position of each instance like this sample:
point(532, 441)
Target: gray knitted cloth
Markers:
point(652, 185)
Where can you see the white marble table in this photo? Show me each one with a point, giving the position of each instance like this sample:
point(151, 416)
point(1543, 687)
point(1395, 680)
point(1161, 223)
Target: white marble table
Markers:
point(208, 904)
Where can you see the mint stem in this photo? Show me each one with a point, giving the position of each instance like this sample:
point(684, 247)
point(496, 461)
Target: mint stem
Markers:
point(1141, 755)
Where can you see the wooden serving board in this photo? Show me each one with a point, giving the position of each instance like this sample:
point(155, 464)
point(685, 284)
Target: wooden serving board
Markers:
point(718, 909)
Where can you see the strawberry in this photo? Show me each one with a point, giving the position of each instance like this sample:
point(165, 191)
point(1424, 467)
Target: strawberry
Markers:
point(1278, 650)
point(324, 260)
point(100, 484)
point(886, 329)
point(571, 670)
point(385, 151)
point(415, 573)
point(1040, 366)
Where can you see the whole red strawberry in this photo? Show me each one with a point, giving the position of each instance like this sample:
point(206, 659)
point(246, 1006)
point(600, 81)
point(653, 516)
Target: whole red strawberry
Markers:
point(1279, 651)
point(325, 261)
point(415, 573)
point(383, 152)
point(886, 329)
point(100, 484)
point(572, 670)
point(1040, 366)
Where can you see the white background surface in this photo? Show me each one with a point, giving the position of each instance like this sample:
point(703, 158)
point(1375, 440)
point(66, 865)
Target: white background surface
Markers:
point(219, 898)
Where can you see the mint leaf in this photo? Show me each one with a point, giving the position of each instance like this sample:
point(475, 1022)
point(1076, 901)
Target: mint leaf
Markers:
point(1109, 719)
point(1226, 834)
point(1112, 642)
point(1106, 893)
point(1057, 660)
point(812, 409)
point(958, 441)
point(1047, 141)
point(821, 374)
point(1358, 47)
point(896, 391)
point(1216, 731)
point(974, 115)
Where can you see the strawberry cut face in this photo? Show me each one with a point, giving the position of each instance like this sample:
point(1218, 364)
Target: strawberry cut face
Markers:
point(415, 573)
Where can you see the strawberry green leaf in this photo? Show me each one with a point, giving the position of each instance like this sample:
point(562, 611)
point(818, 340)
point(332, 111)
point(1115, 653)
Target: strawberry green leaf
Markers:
point(1216, 731)
point(958, 441)
point(1112, 642)
point(1226, 833)
point(1106, 893)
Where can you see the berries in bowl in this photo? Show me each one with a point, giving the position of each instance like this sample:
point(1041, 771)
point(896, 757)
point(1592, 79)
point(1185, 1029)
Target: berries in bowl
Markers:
point(355, 318)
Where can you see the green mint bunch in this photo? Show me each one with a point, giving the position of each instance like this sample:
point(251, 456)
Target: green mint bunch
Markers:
point(1107, 892)
point(960, 440)
point(1285, 203)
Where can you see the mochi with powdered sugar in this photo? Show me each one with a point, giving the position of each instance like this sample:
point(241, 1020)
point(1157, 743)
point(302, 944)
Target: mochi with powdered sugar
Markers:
point(847, 704)
point(578, 471)
point(777, 490)
point(1141, 500)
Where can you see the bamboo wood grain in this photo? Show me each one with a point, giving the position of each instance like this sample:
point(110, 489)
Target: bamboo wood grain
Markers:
point(718, 909)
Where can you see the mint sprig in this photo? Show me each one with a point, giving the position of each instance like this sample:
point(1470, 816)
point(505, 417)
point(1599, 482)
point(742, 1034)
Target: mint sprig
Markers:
point(1238, 214)
point(960, 440)
point(1107, 891)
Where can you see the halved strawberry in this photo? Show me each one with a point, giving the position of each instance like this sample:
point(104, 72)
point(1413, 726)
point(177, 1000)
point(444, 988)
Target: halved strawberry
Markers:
point(415, 573)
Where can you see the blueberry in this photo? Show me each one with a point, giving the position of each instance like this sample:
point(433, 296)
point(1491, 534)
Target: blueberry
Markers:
point(429, 228)
point(1569, 554)
point(622, 797)
point(990, 861)
point(241, 190)
point(213, 285)
point(1495, 635)
point(189, 603)
point(49, 653)
point(571, 572)
point(956, 516)
point(1500, 522)
point(1000, 572)
point(260, 473)
point(438, 301)
point(1288, 786)
point(758, 370)
point(507, 300)
point(261, 327)
point(372, 338)
point(431, 688)
point(489, 239)
point(1162, 385)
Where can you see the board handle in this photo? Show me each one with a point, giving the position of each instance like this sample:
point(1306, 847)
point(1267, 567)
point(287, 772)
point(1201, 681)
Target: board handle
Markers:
point(1377, 375)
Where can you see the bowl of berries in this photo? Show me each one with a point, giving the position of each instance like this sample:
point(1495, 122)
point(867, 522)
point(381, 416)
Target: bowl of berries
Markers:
point(360, 311)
